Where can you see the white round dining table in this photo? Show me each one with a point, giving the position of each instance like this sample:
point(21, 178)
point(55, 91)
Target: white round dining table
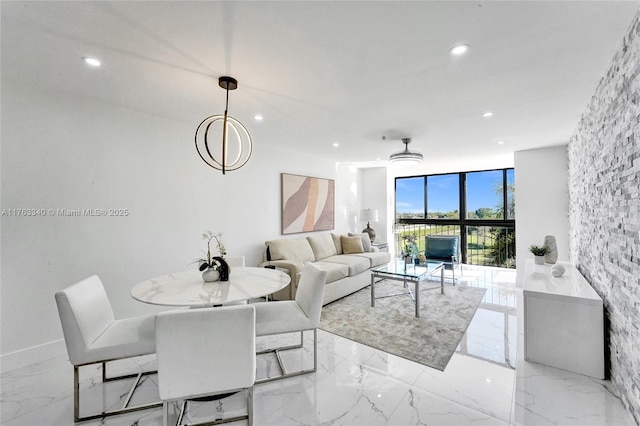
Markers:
point(187, 288)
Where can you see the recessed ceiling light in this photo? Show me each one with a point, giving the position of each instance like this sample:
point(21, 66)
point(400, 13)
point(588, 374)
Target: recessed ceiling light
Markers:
point(336, 144)
point(459, 49)
point(92, 61)
point(487, 114)
point(257, 117)
point(500, 142)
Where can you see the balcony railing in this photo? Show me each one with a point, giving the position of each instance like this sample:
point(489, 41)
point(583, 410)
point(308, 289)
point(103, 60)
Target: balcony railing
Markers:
point(480, 245)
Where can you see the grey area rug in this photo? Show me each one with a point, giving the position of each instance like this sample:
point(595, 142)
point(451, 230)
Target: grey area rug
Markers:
point(392, 326)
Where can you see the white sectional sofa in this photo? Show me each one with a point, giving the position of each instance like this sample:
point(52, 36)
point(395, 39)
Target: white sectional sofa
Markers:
point(346, 258)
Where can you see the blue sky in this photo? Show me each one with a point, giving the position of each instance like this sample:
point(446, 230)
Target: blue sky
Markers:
point(443, 192)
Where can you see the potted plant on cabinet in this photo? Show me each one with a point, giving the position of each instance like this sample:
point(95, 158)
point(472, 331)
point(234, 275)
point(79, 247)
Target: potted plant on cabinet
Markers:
point(538, 253)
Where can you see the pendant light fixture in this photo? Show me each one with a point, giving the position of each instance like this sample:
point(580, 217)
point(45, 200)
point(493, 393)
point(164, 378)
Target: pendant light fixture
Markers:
point(406, 157)
point(235, 148)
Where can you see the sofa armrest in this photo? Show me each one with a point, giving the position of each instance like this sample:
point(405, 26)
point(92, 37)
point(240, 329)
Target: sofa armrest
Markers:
point(295, 269)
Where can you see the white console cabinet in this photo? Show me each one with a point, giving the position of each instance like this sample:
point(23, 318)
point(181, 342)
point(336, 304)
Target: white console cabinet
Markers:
point(563, 320)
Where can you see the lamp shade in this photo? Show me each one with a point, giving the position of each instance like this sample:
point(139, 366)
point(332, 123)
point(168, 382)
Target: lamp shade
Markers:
point(368, 215)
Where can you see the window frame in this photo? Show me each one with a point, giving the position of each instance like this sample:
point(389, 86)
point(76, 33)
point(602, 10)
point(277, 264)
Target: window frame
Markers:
point(463, 222)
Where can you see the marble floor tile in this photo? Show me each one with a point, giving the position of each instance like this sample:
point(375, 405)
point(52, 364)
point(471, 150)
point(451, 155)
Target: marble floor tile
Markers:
point(487, 382)
point(477, 384)
point(351, 394)
point(424, 408)
point(549, 396)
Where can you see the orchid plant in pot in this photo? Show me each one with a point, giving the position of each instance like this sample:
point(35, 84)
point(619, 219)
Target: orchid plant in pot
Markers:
point(210, 265)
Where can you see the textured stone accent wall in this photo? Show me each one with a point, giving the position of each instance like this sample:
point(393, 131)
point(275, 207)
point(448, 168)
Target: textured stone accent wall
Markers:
point(604, 209)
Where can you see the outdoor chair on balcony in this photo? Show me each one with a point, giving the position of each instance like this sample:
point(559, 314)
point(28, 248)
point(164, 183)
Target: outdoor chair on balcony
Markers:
point(445, 249)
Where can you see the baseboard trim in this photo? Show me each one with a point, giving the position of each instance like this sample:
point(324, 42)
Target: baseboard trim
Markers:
point(32, 355)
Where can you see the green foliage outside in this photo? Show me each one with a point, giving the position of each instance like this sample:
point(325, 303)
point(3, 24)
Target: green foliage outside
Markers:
point(490, 246)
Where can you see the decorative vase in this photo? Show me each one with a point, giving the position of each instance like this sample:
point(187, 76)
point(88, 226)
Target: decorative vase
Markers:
point(210, 275)
point(538, 260)
point(552, 250)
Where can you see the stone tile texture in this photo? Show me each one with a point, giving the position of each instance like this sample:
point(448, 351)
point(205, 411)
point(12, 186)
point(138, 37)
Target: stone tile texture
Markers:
point(604, 213)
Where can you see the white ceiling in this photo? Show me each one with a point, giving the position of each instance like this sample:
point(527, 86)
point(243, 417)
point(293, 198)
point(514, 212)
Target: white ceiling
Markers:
point(325, 72)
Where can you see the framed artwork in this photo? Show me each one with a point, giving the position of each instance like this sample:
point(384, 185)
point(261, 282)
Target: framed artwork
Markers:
point(308, 204)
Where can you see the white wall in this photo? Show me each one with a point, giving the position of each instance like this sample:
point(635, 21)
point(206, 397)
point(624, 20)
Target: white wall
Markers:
point(542, 201)
point(64, 152)
point(373, 184)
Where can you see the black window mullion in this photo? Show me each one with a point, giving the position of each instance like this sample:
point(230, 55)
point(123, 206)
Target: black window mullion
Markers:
point(463, 216)
point(504, 195)
point(426, 199)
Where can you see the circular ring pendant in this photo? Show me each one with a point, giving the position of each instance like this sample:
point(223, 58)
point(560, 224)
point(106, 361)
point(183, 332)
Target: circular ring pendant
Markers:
point(223, 150)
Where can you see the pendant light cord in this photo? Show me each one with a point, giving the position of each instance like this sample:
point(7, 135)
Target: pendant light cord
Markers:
point(224, 133)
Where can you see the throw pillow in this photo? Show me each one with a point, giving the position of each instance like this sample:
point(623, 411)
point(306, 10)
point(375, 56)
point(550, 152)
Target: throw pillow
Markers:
point(366, 240)
point(352, 245)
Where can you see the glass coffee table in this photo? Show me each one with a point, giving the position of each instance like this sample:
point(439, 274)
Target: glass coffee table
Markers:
point(407, 273)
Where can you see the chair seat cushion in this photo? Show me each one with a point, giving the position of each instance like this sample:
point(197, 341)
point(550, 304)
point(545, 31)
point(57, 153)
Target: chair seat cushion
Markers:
point(440, 258)
point(448, 263)
point(280, 317)
point(125, 338)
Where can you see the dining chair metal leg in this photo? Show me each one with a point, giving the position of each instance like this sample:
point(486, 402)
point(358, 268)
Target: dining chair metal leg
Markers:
point(250, 405)
point(286, 374)
point(183, 409)
point(165, 413)
point(125, 406)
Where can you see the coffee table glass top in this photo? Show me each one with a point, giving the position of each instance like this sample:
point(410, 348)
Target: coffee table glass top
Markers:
point(409, 270)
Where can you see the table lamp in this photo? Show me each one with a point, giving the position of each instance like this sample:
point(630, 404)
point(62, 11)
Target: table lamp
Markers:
point(369, 215)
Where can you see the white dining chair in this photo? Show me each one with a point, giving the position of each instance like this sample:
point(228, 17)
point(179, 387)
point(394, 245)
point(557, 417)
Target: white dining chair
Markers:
point(206, 352)
point(292, 316)
point(93, 336)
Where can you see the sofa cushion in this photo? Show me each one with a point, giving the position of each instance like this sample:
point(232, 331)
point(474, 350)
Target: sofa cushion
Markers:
point(352, 245)
point(335, 271)
point(366, 240)
point(356, 264)
point(337, 240)
point(322, 246)
point(297, 249)
point(376, 258)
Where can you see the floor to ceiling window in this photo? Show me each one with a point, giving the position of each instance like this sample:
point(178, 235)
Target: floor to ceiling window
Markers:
point(479, 207)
